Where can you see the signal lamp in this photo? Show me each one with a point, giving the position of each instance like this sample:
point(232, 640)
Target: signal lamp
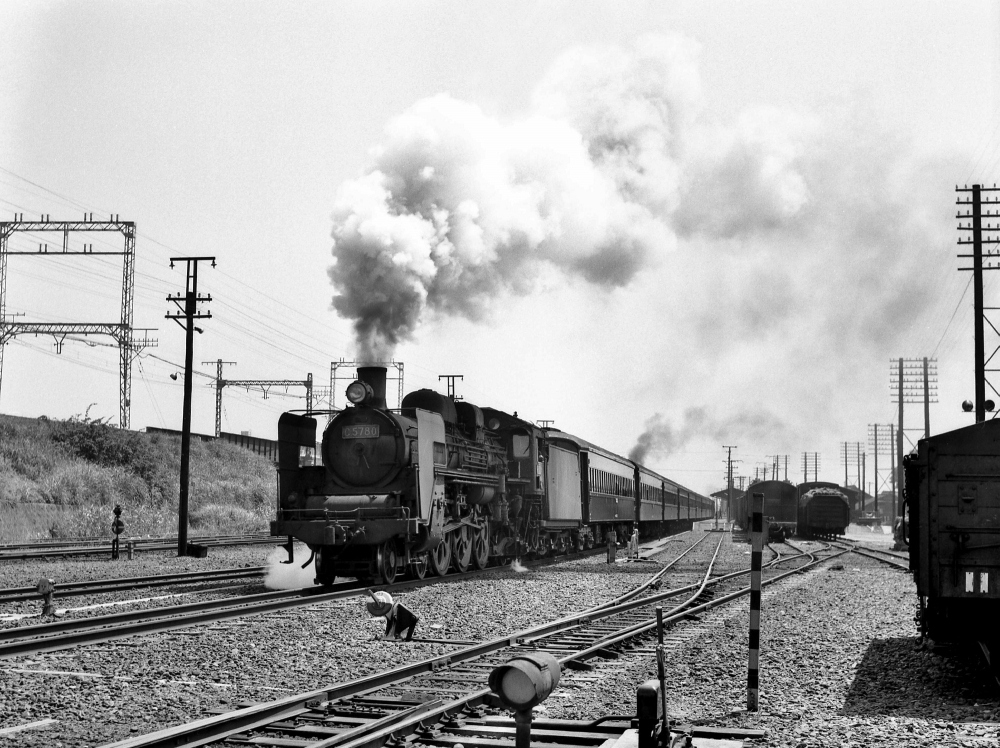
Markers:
point(967, 406)
point(525, 681)
point(990, 405)
point(359, 392)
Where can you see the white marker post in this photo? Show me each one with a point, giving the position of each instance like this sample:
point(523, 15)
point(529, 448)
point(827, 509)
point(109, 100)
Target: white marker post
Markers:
point(756, 555)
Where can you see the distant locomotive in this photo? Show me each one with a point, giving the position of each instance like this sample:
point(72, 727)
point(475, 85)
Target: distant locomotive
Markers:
point(806, 510)
point(823, 510)
point(952, 492)
point(442, 484)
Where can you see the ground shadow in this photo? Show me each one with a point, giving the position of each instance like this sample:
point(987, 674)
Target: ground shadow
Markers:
point(897, 677)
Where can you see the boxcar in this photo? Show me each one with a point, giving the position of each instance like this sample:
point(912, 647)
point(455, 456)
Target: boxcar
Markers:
point(952, 492)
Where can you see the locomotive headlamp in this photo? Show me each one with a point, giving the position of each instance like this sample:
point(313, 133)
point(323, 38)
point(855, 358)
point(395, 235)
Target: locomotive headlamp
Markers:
point(525, 681)
point(359, 392)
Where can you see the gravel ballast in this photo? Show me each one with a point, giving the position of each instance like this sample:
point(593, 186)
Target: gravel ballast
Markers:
point(839, 662)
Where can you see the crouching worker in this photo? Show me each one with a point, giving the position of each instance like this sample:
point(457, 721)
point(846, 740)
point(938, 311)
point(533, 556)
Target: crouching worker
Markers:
point(399, 619)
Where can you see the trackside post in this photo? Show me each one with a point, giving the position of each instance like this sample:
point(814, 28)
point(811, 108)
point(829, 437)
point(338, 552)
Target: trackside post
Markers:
point(757, 540)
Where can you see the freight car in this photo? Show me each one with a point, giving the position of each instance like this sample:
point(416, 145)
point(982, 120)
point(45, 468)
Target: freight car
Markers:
point(824, 509)
point(779, 508)
point(441, 484)
point(952, 492)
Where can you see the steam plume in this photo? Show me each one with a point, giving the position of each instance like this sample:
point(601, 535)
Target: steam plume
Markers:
point(292, 576)
point(597, 182)
point(665, 439)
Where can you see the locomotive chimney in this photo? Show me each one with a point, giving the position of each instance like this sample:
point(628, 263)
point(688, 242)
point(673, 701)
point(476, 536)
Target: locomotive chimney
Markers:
point(374, 377)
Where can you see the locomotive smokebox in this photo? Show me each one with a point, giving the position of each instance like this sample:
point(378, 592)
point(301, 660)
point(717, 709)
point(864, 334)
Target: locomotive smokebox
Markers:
point(374, 377)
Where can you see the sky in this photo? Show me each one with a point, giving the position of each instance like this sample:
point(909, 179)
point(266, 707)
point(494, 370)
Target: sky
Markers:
point(665, 227)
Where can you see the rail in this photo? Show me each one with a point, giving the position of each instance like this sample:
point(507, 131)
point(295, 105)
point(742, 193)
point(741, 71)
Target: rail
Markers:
point(304, 715)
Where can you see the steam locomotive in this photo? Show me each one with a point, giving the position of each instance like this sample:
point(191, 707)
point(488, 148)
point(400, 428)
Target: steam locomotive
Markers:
point(443, 484)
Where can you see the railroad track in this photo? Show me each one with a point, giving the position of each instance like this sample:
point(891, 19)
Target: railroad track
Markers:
point(71, 589)
point(105, 541)
point(888, 557)
point(72, 632)
point(25, 551)
point(443, 701)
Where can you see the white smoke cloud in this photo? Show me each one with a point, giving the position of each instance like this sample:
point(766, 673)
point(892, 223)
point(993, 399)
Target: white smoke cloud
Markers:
point(282, 576)
point(614, 163)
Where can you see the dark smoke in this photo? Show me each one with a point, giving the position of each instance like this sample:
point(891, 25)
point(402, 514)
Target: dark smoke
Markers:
point(664, 439)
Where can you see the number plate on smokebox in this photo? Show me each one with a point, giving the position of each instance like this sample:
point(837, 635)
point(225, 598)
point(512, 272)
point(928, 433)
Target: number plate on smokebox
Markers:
point(364, 431)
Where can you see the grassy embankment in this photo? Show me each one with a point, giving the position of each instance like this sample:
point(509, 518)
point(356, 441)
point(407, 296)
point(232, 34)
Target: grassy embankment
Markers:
point(61, 479)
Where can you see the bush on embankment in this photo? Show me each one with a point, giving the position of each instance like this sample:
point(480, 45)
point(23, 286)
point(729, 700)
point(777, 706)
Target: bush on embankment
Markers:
point(62, 479)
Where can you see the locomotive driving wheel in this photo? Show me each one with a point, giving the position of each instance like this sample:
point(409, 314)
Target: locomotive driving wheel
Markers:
point(481, 548)
point(441, 557)
point(387, 562)
point(503, 544)
point(325, 573)
point(461, 548)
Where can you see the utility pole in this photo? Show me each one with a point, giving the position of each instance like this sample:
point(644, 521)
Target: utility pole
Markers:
point(729, 480)
point(876, 472)
point(219, 384)
point(846, 456)
point(975, 213)
point(807, 459)
point(899, 438)
point(914, 381)
point(776, 461)
point(863, 481)
point(927, 400)
point(188, 312)
point(892, 438)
